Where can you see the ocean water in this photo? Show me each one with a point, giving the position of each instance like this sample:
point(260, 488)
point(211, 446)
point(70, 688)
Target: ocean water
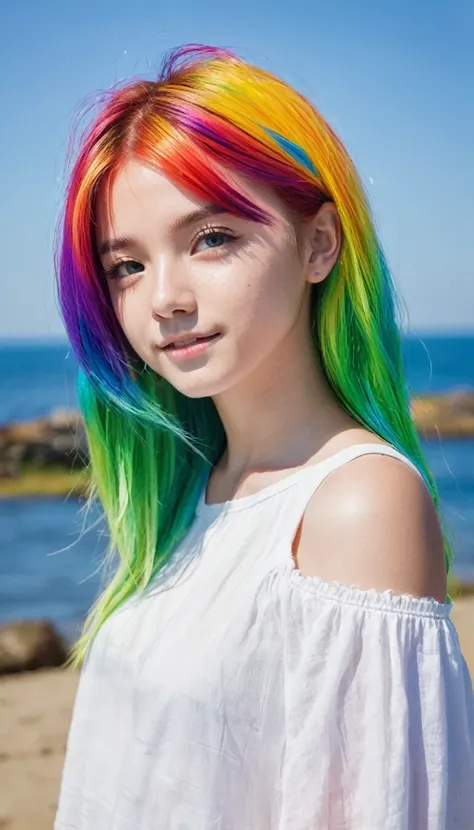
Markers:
point(50, 553)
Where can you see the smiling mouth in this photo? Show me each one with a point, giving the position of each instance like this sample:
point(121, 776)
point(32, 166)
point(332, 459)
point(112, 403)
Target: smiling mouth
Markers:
point(191, 341)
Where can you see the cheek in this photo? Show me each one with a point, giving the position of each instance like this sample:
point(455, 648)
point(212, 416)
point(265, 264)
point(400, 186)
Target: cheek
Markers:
point(129, 310)
point(270, 303)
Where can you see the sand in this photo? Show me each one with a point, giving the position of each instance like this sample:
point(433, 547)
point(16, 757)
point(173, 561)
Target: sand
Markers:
point(35, 710)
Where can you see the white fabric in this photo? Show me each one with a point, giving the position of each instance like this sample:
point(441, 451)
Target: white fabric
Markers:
point(240, 695)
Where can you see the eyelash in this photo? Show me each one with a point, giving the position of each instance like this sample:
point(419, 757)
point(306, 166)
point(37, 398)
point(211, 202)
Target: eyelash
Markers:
point(209, 230)
point(111, 273)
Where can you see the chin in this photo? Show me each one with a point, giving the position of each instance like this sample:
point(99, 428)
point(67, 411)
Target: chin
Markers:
point(203, 389)
point(193, 383)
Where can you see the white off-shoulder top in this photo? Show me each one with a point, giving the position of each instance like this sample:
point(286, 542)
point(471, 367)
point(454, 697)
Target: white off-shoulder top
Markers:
point(236, 694)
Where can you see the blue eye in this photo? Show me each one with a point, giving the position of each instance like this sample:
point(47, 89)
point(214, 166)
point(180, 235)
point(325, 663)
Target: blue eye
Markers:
point(215, 239)
point(131, 266)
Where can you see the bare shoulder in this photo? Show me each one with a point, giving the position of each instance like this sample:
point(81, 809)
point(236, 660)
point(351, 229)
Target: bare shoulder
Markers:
point(372, 523)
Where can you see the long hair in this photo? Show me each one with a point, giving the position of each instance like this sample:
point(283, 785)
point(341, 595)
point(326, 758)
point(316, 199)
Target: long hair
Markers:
point(207, 115)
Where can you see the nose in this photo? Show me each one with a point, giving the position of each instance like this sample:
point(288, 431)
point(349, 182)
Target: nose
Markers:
point(171, 292)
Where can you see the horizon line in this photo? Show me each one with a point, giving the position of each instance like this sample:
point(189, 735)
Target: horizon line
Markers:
point(61, 339)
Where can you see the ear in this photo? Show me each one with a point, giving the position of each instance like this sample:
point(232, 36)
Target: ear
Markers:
point(323, 237)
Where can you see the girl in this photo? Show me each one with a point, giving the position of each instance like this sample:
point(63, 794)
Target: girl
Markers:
point(274, 649)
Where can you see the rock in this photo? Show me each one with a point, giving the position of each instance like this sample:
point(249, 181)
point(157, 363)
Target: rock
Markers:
point(450, 415)
point(30, 644)
point(55, 441)
point(59, 441)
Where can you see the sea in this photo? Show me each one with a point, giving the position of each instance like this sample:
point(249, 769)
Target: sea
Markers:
point(50, 552)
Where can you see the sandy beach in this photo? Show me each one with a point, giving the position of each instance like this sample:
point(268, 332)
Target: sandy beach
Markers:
point(35, 710)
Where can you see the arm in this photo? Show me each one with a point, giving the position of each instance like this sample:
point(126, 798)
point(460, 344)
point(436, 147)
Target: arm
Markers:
point(372, 523)
point(379, 702)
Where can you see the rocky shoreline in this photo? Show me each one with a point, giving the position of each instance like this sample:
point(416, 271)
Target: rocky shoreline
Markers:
point(48, 456)
point(450, 415)
point(28, 645)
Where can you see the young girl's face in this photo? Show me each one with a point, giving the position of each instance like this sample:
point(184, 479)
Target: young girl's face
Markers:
point(178, 267)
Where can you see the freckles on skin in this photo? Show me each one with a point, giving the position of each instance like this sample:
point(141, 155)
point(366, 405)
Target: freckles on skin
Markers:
point(263, 314)
point(251, 291)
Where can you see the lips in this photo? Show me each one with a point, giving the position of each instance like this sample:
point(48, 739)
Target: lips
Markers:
point(182, 344)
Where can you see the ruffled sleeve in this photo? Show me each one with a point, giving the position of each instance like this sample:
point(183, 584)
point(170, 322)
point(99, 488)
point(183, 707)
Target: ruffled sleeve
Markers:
point(379, 712)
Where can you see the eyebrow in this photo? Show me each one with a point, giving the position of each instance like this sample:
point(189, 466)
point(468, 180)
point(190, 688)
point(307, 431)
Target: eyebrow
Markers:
point(121, 242)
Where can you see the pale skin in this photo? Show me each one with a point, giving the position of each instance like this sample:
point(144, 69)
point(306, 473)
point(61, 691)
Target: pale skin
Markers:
point(252, 283)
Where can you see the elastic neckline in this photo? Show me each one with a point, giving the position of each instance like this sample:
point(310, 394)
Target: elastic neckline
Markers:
point(245, 502)
point(370, 598)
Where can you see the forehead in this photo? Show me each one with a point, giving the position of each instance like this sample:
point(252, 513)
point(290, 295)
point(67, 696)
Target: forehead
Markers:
point(135, 192)
point(137, 197)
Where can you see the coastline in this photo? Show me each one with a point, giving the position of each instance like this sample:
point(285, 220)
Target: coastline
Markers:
point(48, 456)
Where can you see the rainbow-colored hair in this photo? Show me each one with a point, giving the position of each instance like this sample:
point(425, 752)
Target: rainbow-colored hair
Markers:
point(208, 113)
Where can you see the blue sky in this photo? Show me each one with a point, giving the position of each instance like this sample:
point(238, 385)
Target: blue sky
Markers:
point(394, 79)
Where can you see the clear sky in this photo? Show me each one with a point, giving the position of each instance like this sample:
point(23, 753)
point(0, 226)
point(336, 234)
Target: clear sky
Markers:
point(394, 79)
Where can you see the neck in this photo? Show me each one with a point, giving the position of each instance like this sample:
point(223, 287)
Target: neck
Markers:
point(282, 414)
